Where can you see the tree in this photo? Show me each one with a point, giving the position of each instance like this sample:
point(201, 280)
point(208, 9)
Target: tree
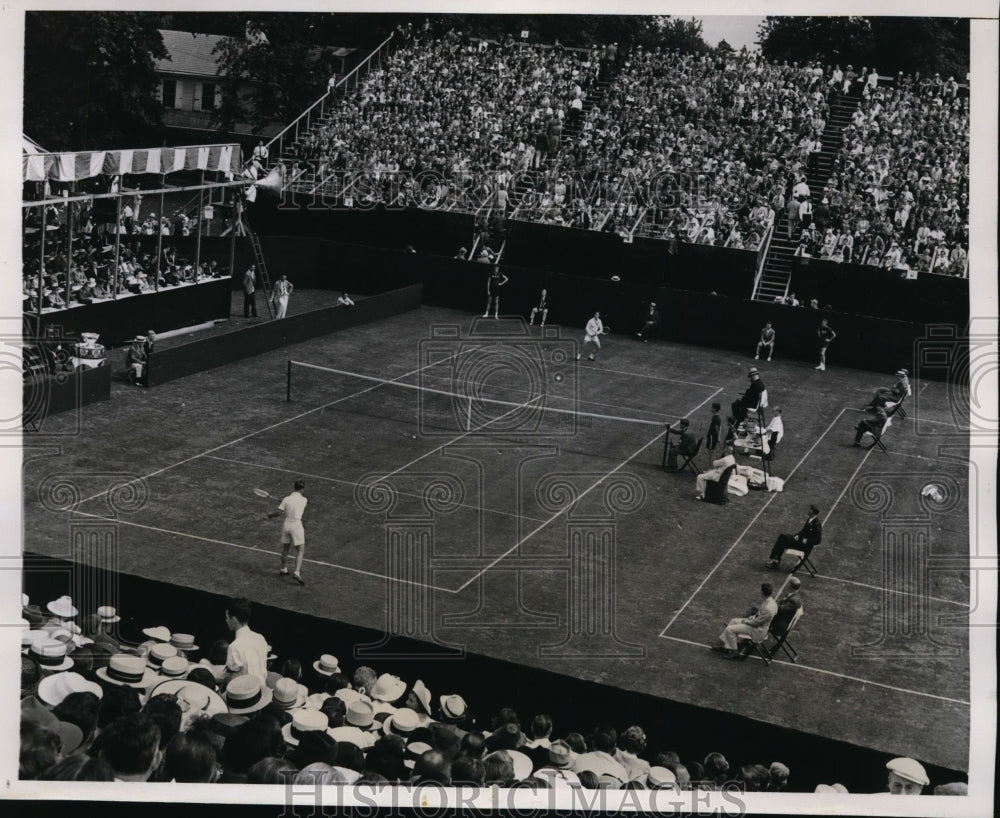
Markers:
point(891, 44)
point(89, 79)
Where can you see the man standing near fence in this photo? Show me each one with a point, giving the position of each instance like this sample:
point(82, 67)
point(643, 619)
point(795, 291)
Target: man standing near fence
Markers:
point(250, 292)
point(282, 291)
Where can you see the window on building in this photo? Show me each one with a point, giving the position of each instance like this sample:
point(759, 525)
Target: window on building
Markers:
point(208, 96)
point(170, 93)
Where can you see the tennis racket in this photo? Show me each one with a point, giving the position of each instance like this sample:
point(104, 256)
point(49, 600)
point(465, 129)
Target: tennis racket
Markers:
point(262, 493)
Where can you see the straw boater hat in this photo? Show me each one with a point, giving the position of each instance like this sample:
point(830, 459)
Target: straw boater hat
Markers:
point(453, 706)
point(127, 670)
point(522, 764)
point(326, 665)
point(160, 633)
point(158, 653)
point(53, 689)
point(183, 641)
point(304, 721)
point(401, 723)
point(62, 607)
point(108, 615)
point(195, 699)
point(288, 694)
point(174, 667)
point(388, 688)
point(245, 694)
point(50, 655)
point(661, 778)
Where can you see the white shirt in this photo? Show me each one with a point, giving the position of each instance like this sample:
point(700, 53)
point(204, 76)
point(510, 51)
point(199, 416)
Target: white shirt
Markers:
point(776, 425)
point(294, 505)
point(247, 654)
point(594, 327)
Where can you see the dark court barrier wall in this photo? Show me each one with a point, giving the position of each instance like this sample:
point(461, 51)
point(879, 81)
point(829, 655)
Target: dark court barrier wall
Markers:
point(688, 317)
point(488, 684)
point(428, 231)
point(880, 292)
point(584, 253)
point(171, 308)
point(47, 395)
point(591, 254)
point(180, 361)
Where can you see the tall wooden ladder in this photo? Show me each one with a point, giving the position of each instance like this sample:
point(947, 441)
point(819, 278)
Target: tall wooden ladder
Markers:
point(265, 280)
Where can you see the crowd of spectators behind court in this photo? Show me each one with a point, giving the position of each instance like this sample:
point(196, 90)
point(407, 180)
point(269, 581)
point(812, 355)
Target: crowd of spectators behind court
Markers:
point(701, 148)
point(898, 195)
point(149, 255)
point(94, 708)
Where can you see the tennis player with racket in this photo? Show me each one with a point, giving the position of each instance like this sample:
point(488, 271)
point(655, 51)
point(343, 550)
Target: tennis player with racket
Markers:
point(292, 533)
point(595, 329)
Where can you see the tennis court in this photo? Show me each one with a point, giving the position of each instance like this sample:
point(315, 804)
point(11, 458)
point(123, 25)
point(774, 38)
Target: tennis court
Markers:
point(499, 448)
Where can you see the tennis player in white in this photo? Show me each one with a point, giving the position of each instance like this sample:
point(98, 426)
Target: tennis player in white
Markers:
point(595, 329)
point(292, 532)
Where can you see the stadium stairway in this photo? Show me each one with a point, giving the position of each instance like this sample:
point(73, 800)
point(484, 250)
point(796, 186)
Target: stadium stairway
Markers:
point(776, 277)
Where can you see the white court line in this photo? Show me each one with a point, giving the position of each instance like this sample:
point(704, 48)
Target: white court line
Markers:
point(263, 551)
point(577, 400)
point(559, 513)
point(466, 433)
point(847, 485)
point(354, 485)
point(834, 673)
point(651, 377)
point(265, 429)
point(565, 508)
point(894, 591)
point(749, 525)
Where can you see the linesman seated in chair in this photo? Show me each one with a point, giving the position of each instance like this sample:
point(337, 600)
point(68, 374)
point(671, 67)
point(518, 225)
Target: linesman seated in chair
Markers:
point(872, 425)
point(885, 396)
point(809, 536)
point(685, 446)
point(787, 608)
point(754, 626)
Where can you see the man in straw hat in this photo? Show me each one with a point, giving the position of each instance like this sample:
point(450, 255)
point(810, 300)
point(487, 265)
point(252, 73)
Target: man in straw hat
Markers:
point(136, 360)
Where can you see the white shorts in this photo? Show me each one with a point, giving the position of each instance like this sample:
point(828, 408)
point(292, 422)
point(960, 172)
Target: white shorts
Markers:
point(294, 533)
point(593, 339)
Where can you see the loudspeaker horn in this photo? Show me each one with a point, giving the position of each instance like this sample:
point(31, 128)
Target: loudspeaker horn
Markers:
point(274, 181)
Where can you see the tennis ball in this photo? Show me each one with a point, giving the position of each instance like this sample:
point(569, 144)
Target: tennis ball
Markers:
point(413, 436)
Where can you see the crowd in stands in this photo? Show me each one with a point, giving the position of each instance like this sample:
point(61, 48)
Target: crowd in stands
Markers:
point(701, 148)
point(73, 273)
point(898, 195)
point(96, 709)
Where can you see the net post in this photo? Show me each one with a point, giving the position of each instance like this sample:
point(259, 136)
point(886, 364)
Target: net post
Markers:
point(288, 382)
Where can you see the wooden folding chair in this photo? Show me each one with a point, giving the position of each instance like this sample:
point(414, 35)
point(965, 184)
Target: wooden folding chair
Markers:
point(877, 437)
point(897, 407)
point(782, 643)
point(688, 458)
point(804, 561)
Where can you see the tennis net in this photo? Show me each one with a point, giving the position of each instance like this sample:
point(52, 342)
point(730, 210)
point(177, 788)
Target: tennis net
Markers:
point(438, 405)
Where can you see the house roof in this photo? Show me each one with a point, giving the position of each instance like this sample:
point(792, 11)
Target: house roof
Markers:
point(189, 53)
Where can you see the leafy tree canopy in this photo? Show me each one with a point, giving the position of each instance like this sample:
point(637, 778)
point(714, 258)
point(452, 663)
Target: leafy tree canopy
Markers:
point(89, 80)
point(890, 44)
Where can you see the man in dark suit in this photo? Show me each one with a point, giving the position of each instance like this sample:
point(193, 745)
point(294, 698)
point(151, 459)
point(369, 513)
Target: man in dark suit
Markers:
point(808, 538)
point(751, 398)
point(788, 605)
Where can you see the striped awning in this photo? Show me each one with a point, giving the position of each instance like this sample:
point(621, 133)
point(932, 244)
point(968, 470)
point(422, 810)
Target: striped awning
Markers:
point(68, 167)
